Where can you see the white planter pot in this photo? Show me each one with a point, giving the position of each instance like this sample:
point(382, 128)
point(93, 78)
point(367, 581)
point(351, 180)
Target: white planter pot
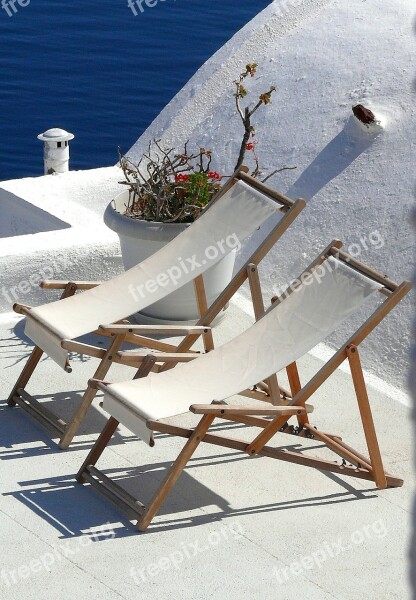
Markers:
point(139, 240)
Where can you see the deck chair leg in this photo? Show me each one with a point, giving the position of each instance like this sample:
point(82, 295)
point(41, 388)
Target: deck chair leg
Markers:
point(146, 366)
point(82, 410)
point(90, 393)
point(201, 299)
point(26, 374)
point(295, 388)
point(258, 305)
point(98, 447)
point(366, 417)
point(191, 338)
point(175, 471)
point(36, 354)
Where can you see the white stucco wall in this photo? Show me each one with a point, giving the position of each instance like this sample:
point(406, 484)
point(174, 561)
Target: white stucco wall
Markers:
point(324, 57)
point(52, 227)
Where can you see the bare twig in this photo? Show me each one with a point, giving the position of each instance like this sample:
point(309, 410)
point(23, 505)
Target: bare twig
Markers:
point(247, 113)
point(278, 171)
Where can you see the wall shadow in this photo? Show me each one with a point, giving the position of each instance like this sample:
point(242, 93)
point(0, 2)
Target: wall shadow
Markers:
point(22, 218)
point(337, 156)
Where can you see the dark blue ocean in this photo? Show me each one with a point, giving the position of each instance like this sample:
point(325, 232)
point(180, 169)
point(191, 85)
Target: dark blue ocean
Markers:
point(98, 70)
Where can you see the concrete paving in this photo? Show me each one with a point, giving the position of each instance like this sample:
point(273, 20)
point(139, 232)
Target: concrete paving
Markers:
point(233, 527)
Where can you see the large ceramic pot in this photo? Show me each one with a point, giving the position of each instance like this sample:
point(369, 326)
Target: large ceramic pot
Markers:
point(139, 240)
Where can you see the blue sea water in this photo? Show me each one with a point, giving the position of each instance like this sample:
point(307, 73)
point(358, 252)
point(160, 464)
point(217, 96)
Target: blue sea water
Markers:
point(98, 70)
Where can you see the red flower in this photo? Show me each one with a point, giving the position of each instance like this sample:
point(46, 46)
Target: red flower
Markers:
point(214, 175)
point(182, 177)
point(250, 146)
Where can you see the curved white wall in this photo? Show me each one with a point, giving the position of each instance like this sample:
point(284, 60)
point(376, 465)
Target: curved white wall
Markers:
point(324, 57)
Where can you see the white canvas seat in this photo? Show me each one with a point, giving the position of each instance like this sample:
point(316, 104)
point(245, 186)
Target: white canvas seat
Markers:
point(281, 337)
point(334, 287)
point(239, 213)
point(240, 208)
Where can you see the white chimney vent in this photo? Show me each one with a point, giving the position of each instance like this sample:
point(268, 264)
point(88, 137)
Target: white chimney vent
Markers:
point(56, 150)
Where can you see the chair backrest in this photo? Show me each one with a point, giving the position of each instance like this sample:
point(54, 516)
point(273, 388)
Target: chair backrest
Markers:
point(233, 217)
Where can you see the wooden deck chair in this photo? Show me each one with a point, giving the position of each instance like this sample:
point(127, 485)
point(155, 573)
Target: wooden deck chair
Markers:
point(333, 288)
point(240, 208)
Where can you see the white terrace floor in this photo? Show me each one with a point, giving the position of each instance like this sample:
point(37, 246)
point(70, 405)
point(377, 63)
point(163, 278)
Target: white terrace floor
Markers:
point(234, 527)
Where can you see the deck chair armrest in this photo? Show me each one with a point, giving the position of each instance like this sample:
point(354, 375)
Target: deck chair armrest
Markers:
point(21, 309)
point(61, 285)
point(98, 384)
point(135, 359)
point(233, 409)
point(156, 329)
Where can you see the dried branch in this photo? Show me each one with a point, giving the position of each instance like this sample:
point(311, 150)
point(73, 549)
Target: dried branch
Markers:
point(247, 113)
point(175, 187)
point(278, 171)
point(171, 186)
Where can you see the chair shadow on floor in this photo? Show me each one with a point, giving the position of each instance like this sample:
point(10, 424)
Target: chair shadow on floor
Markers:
point(19, 432)
point(75, 510)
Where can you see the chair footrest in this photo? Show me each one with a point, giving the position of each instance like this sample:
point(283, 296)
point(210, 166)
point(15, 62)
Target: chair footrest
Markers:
point(113, 492)
point(39, 412)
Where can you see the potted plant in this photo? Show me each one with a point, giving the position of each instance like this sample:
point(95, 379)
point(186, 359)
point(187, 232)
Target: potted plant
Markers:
point(165, 192)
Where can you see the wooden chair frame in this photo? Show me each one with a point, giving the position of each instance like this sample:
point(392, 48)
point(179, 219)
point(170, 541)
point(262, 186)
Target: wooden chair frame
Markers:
point(369, 468)
point(125, 332)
